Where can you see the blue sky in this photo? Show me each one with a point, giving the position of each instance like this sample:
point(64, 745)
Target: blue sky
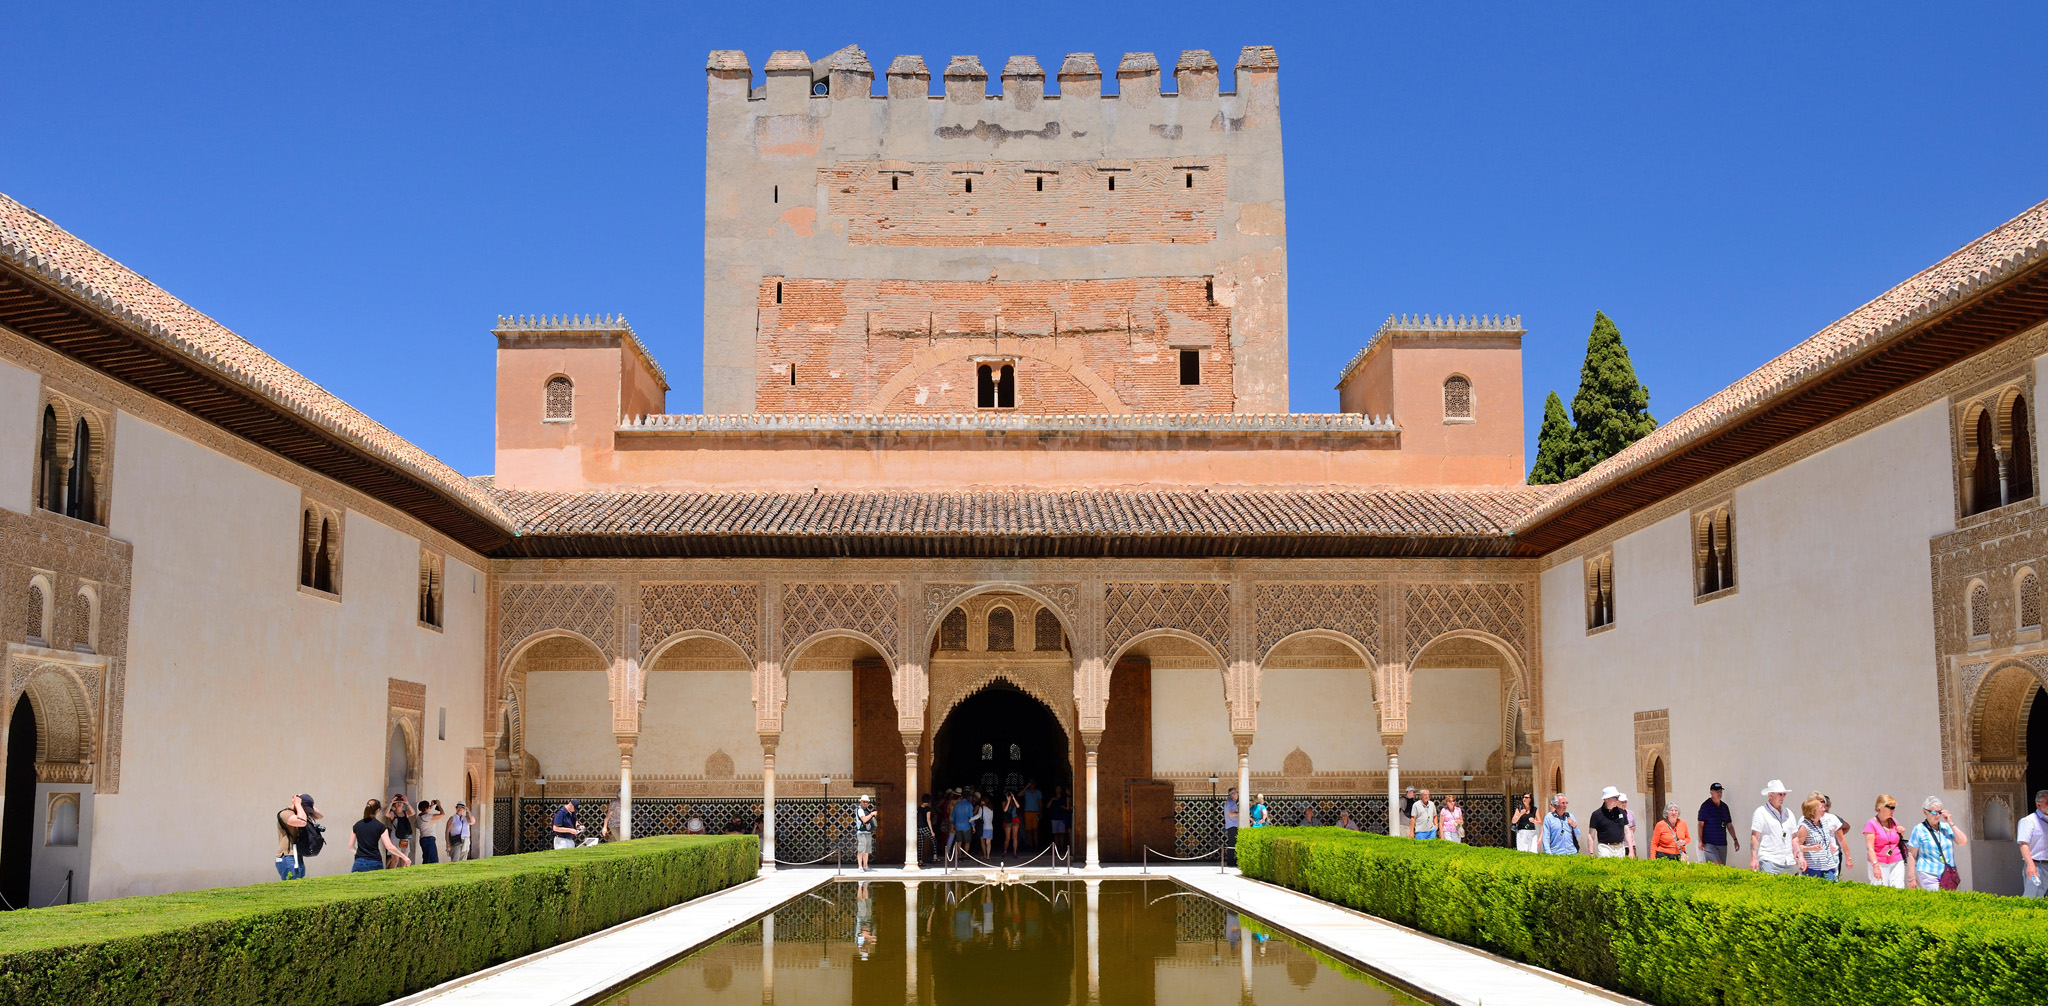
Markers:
point(362, 190)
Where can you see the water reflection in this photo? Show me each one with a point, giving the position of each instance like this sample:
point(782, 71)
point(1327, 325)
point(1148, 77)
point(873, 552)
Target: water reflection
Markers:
point(956, 943)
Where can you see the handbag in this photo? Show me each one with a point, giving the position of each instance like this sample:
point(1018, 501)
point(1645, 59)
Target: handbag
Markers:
point(1951, 878)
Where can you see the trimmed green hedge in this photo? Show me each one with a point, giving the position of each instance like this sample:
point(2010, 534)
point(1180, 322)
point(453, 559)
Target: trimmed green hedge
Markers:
point(1677, 934)
point(360, 938)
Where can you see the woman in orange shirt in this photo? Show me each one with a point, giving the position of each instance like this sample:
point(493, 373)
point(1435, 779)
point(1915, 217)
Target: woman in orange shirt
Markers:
point(1671, 837)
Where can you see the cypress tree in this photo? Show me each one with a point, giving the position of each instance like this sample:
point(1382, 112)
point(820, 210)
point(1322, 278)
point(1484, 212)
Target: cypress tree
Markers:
point(1554, 444)
point(1612, 408)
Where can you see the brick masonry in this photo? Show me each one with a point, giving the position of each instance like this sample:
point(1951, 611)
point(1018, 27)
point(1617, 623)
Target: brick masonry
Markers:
point(985, 202)
point(914, 346)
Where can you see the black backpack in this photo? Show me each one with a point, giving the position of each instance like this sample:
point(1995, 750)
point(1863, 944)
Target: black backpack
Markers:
point(312, 838)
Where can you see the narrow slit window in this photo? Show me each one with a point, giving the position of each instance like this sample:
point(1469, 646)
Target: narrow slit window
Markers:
point(1191, 179)
point(778, 291)
point(970, 185)
point(1041, 182)
point(775, 194)
point(893, 179)
point(1112, 183)
point(792, 375)
point(1209, 291)
point(1190, 366)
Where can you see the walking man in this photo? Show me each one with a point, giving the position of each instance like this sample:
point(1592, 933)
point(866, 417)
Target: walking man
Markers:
point(963, 823)
point(1717, 829)
point(1034, 804)
point(1770, 833)
point(1610, 825)
point(567, 831)
point(1560, 830)
point(1422, 817)
point(458, 833)
point(865, 819)
point(2034, 846)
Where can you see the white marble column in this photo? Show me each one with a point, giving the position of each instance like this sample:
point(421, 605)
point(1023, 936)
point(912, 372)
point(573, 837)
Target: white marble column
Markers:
point(1394, 788)
point(1090, 741)
point(768, 960)
point(911, 742)
point(910, 941)
point(1244, 786)
point(1094, 939)
point(1244, 955)
point(767, 802)
point(626, 743)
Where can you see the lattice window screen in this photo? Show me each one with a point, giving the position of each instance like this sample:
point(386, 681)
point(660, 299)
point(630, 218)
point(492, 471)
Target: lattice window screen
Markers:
point(81, 623)
point(1457, 398)
point(2030, 601)
point(1980, 610)
point(1002, 630)
point(953, 631)
point(561, 398)
point(1045, 631)
point(35, 611)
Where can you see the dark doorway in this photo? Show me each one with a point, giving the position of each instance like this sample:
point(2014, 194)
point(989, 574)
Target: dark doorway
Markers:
point(1656, 791)
point(18, 821)
point(1000, 738)
point(2037, 752)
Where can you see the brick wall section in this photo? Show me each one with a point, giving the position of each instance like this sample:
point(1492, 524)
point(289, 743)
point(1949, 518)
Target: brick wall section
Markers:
point(1155, 201)
point(912, 346)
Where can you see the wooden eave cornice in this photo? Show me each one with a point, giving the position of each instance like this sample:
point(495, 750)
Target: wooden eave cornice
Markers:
point(1971, 327)
point(908, 546)
point(56, 319)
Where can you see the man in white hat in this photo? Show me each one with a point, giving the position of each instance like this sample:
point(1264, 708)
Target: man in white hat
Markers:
point(865, 818)
point(1770, 833)
point(1610, 825)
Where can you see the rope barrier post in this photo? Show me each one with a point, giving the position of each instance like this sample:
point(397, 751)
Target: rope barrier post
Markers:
point(1145, 860)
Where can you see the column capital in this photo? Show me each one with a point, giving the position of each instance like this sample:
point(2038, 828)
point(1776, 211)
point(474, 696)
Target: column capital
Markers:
point(912, 742)
point(626, 743)
point(768, 739)
point(1091, 739)
point(1242, 740)
point(1392, 742)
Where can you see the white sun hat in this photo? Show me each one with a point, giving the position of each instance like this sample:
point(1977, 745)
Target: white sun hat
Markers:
point(1776, 786)
point(1610, 793)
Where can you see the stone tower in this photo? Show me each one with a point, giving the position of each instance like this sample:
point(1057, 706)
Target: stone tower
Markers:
point(1044, 253)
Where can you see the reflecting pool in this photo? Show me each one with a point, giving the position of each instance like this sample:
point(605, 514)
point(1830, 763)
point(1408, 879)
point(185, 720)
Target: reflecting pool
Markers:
point(959, 943)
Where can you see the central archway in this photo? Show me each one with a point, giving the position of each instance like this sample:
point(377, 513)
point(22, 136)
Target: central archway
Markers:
point(1002, 738)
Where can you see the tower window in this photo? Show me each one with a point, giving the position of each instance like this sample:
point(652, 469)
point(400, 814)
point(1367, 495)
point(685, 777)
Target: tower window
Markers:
point(1191, 179)
point(953, 631)
point(778, 291)
point(1041, 182)
point(1045, 631)
point(893, 179)
point(1599, 591)
point(1713, 551)
point(561, 398)
point(995, 386)
point(1112, 183)
point(792, 375)
point(970, 185)
point(1209, 291)
point(1190, 366)
point(775, 194)
point(431, 572)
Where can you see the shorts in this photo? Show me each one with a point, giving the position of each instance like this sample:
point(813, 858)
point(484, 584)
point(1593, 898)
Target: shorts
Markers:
point(1615, 851)
point(1059, 826)
point(1928, 881)
point(1823, 874)
point(565, 842)
point(1776, 869)
point(1030, 820)
point(1711, 853)
point(366, 865)
point(1893, 875)
point(1425, 834)
point(1528, 841)
point(863, 843)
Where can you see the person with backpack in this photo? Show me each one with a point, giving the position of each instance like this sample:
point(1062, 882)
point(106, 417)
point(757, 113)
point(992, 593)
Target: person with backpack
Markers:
point(298, 837)
point(401, 826)
point(1931, 849)
point(459, 825)
point(865, 820)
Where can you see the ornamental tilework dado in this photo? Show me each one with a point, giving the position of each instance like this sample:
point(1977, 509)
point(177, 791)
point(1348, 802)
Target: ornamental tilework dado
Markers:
point(1199, 609)
point(732, 610)
point(812, 608)
point(588, 609)
point(1352, 609)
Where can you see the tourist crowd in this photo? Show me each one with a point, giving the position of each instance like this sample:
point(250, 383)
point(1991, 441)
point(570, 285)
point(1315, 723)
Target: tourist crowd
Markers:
point(1028, 820)
point(385, 837)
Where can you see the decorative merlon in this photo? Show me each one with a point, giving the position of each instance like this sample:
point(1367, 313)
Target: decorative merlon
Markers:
point(788, 59)
point(727, 59)
point(850, 60)
point(1195, 59)
point(908, 66)
point(1173, 422)
point(1258, 57)
point(1022, 66)
point(592, 324)
point(965, 66)
point(1080, 64)
point(1487, 324)
point(1138, 62)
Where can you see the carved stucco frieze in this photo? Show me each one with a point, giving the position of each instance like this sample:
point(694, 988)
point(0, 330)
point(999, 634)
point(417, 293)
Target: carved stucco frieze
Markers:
point(732, 610)
point(810, 609)
point(1201, 610)
point(1349, 609)
point(527, 609)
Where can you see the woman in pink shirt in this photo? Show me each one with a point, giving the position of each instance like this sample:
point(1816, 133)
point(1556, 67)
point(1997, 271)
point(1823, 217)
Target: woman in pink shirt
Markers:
point(1883, 837)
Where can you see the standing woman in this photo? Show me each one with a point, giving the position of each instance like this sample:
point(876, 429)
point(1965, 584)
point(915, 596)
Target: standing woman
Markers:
point(429, 812)
point(1523, 824)
point(369, 838)
point(1259, 811)
point(1884, 838)
point(1450, 822)
point(988, 828)
point(1013, 818)
point(1814, 841)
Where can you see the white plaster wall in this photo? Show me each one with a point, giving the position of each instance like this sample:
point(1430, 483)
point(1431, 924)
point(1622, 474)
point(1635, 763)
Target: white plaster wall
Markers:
point(691, 714)
point(20, 425)
point(817, 727)
point(1191, 723)
point(1454, 719)
point(241, 690)
point(1819, 670)
point(569, 723)
point(48, 864)
point(1327, 712)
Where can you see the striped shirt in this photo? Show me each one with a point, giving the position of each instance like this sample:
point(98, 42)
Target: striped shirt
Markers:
point(1821, 852)
point(1933, 850)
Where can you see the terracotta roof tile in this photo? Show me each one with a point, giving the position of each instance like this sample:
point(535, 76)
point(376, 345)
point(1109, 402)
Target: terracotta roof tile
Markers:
point(1376, 512)
point(37, 246)
point(2012, 247)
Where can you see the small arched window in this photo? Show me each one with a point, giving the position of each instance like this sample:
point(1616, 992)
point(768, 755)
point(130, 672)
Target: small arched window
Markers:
point(2019, 480)
point(1714, 551)
point(1980, 611)
point(953, 631)
point(430, 588)
point(63, 820)
point(988, 752)
point(1984, 470)
point(323, 557)
point(561, 398)
point(85, 621)
point(79, 499)
point(51, 464)
point(1599, 590)
point(38, 611)
point(309, 542)
point(1002, 630)
point(1045, 631)
point(2030, 600)
point(1457, 397)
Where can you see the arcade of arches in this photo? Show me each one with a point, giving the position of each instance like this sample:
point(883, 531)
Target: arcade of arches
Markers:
point(679, 695)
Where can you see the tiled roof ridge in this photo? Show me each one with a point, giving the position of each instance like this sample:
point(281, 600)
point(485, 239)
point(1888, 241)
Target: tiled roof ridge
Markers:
point(582, 323)
point(1997, 255)
point(67, 261)
point(921, 421)
point(1499, 323)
